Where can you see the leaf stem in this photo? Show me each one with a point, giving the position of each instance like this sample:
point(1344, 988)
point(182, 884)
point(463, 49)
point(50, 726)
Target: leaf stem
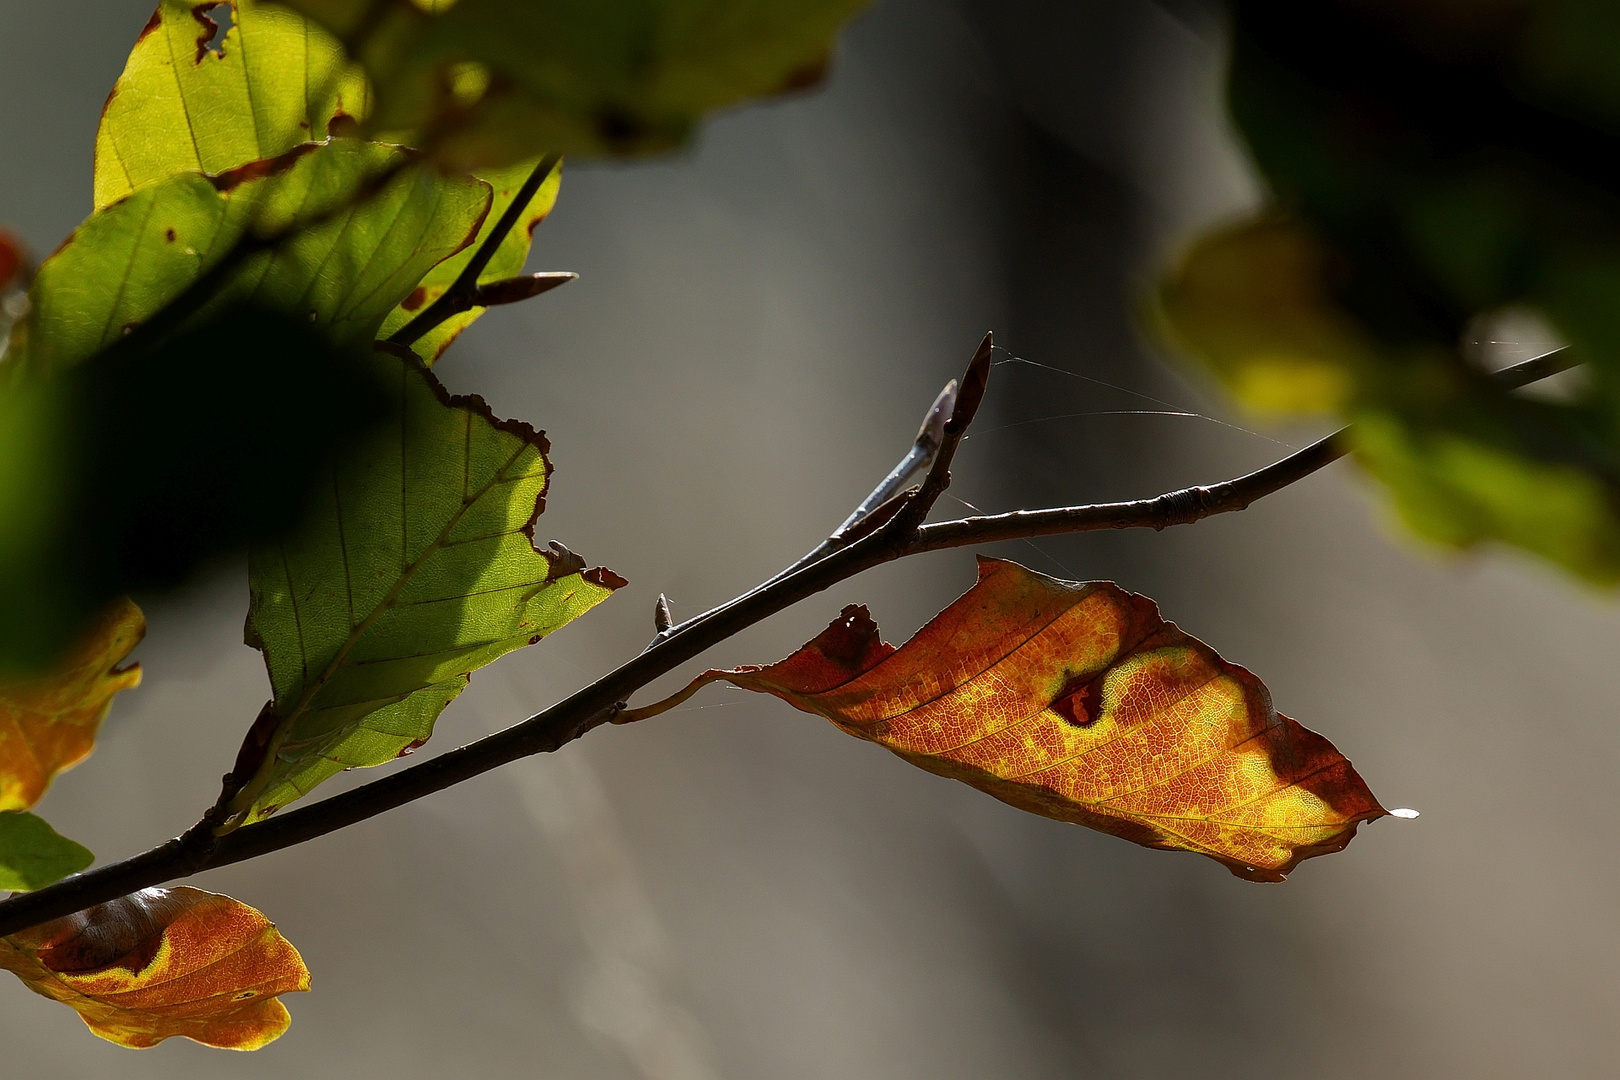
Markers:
point(463, 293)
point(604, 700)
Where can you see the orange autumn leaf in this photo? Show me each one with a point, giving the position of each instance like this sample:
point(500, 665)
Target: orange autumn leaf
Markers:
point(165, 962)
point(48, 722)
point(1077, 701)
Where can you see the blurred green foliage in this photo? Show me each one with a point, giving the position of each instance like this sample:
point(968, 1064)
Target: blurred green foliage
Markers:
point(1432, 164)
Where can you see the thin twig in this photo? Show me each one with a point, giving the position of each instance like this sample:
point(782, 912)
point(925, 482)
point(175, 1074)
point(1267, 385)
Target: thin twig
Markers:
point(877, 509)
point(462, 295)
point(1188, 504)
point(604, 699)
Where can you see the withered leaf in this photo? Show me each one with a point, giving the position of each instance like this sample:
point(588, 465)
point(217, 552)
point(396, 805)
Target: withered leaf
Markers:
point(1077, 701)
point(48, 722)
point(164, 962)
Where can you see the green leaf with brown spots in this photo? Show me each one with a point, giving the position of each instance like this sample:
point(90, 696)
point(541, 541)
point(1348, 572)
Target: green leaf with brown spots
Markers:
point(416, 568)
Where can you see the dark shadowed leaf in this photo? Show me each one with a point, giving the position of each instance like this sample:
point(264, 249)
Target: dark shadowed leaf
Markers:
point(130, 470)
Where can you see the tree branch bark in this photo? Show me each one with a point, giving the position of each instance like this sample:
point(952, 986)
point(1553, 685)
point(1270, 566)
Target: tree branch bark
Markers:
point(603, 700)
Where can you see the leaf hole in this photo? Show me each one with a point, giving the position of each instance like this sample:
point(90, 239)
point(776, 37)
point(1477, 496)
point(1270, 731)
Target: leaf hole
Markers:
point(216, 21)
point(1080, 701)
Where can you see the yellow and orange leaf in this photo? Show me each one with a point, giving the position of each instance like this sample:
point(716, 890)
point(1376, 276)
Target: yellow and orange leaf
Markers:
point(165, 962)
point(1077, 701)
point(48, 722)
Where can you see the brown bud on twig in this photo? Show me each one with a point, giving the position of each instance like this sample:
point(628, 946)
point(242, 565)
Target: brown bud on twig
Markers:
point(663, 617)
point(512, 290)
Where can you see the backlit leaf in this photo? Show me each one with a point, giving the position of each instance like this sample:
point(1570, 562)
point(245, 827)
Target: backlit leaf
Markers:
point(345, 276)
point(164, 962)
point(497, 81)
point(417, 568)
point(273, 82)
point(34, 855)
point(1078, 702)
point(49, 722)
point(507, 262)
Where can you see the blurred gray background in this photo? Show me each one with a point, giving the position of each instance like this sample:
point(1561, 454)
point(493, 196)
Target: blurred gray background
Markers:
point(737, 890)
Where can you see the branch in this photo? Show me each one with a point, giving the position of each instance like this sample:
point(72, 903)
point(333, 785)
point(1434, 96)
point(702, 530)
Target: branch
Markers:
point(604, 700)
point(463, 293)
point(1189, 504)
point(876, 510)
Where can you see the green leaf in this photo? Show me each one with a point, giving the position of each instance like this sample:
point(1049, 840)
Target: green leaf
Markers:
point(131, 469)
point(127, 466)
point(343, 276)
point(417, 568)
point(273, 82)
point(507, 262)
point(33, 855)
point(498, 81)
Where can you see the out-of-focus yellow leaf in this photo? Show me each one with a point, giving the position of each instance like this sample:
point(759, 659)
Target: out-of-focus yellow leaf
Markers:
point(1078, 702)
point(1251, 302)
point(164, 962)
point(48, 722)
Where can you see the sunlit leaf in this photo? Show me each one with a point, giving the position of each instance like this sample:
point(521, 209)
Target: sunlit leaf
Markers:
point(507, 262)
point(164, 962)
point(34, 855)
point(416, 569)
point(1078, 702)
point(273, 82)
point(344, 276)
point(48, 722)
point(497, 81)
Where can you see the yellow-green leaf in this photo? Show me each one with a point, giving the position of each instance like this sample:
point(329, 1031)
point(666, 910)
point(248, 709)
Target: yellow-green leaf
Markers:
point(161, 963)
point(417, 568)
point(274, 81)
point(345, 275)
point(507, 262)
